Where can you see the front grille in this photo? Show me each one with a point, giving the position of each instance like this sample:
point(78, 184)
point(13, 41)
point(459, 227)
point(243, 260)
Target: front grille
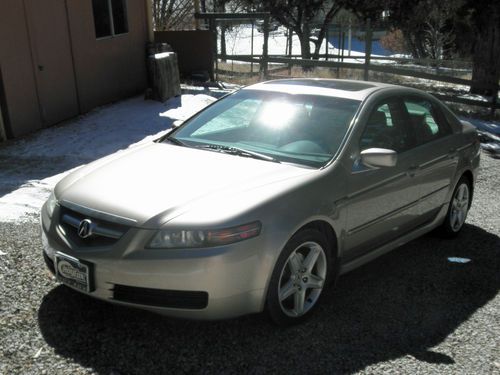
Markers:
point(104, 233)
point(160, 297)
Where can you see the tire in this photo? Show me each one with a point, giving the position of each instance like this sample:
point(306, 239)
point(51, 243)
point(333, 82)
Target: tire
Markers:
point(300, 277)
point(458, 209)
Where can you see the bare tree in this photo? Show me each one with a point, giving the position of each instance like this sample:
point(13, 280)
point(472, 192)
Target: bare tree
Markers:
point(299, 15)
point(173, 14)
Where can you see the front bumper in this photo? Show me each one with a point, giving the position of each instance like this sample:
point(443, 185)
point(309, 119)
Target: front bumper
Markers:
point(211, 283)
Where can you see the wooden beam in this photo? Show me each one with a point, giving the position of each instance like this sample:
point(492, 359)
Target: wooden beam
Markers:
point(232, 16)
point(368, 48)
point(196, 11)
point(149, 21)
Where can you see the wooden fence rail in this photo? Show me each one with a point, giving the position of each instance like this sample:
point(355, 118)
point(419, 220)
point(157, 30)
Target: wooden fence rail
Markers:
point(493, 104)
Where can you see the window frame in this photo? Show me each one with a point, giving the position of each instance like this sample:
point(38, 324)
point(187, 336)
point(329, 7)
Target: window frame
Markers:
point(112, 34)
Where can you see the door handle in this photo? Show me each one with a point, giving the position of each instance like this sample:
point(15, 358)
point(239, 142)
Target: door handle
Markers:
point(412, 170)
point(452, 153)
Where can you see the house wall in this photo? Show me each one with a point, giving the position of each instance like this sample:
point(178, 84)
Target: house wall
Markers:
point(111, 68)
point(105, 70)
point(18, 77)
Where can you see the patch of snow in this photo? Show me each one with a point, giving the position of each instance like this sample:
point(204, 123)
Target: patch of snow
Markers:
point(32, 166)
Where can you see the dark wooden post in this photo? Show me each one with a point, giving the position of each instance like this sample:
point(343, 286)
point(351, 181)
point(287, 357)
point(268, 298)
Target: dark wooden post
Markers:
point(343, 45)
point(290, 43)
point(213, 29)
point(251, 48)
point(326, 44)
point(368, 47)
point(494, 100)
point(265, 56)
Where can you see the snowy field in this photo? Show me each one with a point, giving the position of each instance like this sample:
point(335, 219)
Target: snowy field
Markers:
point(239, 42)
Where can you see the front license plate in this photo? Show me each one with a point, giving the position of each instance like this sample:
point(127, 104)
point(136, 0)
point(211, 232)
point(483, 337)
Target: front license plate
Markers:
point(74, 272)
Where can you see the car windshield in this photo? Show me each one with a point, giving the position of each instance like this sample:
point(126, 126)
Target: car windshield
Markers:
point(300, 129)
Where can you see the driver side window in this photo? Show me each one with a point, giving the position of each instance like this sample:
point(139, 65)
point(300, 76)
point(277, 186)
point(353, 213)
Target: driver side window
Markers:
point(385, 128)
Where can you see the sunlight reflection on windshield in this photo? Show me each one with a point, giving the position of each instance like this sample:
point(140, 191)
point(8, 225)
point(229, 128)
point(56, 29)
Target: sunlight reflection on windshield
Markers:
point(277, 114)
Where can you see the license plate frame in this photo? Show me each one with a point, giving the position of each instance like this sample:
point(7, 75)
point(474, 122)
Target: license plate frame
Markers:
point(76, 273)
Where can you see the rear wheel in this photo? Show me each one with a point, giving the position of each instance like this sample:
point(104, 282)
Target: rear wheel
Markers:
point(458, 208)
point(299, 277)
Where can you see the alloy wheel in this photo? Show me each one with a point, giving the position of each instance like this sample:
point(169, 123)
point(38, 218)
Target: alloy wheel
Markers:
point(302, 279)
point(459, 207)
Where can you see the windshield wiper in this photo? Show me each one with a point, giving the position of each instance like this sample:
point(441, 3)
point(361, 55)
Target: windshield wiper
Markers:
point(240, 152)
point(175, 141)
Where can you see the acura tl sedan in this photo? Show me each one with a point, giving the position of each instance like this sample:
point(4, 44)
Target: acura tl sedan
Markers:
point(261, 200)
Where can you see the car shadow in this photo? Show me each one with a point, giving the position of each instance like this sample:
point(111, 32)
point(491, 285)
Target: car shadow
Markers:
point(404, 303)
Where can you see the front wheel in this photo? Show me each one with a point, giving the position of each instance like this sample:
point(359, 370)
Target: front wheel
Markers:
point(458, 209)
point(299, 277)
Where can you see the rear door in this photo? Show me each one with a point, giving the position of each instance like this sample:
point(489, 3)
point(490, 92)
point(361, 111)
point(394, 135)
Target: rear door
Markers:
point(53, 63)
point(435, 155)
point(382, 202)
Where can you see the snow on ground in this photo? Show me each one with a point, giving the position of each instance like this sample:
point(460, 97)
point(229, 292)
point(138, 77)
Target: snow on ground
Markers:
point(30, 167)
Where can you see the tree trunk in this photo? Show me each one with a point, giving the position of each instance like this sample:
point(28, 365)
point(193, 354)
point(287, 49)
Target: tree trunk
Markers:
point(486, 59)
point(305, 47)
point(326, 24)
point(305, 38)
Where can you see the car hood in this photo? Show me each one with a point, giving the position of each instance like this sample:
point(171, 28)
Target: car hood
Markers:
point(143, 183)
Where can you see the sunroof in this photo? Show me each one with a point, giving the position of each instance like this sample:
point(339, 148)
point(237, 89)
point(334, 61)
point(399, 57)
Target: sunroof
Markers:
point(327, 84)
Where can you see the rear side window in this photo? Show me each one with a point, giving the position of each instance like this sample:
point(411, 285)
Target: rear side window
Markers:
point(386, 128)
point(427, 121)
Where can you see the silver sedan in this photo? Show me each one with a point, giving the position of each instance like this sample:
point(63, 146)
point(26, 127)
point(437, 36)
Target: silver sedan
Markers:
point(261, 200)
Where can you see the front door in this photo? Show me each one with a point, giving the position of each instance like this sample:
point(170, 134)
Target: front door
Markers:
point(383, 202)
point(53, 62)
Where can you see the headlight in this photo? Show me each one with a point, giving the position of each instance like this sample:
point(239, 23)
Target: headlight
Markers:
point(51, 204)
point(167, 238)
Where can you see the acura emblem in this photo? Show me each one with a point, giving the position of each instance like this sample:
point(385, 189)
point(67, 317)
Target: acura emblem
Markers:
point(85, 228)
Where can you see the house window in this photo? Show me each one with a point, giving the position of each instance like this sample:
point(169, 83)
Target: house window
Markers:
point(110, 17)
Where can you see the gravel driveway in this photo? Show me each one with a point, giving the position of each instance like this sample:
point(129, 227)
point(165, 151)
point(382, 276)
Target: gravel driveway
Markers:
point(410, 311)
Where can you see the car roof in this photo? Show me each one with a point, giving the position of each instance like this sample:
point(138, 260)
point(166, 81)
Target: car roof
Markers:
point(342, 88)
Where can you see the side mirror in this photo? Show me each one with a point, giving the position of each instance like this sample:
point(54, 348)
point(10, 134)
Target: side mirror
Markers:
point(379, 157)
point(177, 123)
